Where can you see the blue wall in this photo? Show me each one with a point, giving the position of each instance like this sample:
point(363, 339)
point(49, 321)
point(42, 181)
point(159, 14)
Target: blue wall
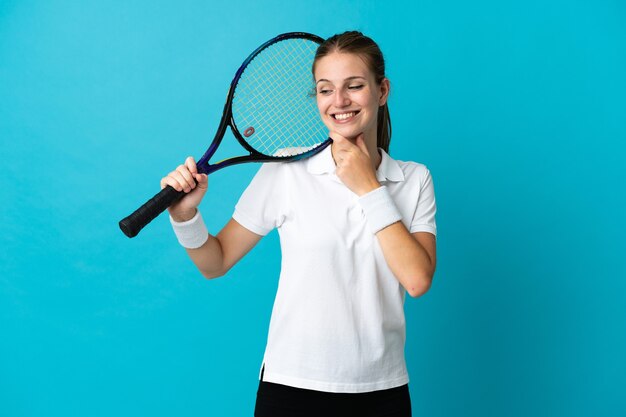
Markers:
point(518, 109)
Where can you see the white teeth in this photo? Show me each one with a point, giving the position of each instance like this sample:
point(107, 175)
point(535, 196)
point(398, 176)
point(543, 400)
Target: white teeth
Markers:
point(344, 116)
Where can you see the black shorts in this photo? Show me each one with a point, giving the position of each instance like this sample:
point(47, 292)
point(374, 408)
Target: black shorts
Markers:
point(276, 400)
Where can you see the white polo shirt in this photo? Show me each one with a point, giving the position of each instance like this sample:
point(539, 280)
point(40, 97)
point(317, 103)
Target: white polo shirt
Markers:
point(337, 323)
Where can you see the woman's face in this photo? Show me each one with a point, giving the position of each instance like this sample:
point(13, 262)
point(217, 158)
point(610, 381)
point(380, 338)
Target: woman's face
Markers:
point(348, 96)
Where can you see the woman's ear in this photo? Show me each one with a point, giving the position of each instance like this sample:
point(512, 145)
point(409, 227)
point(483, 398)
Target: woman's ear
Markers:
point(384, 91)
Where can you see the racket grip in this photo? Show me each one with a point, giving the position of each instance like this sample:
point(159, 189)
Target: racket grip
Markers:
point(132, 224)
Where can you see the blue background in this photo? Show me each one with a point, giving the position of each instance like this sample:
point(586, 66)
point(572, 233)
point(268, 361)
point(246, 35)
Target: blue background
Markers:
point(518, 109)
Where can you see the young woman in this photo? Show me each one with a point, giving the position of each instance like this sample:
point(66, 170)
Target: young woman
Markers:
point(357, 231)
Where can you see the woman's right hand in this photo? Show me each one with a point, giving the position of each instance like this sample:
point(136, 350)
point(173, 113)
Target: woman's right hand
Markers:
point(186, 178)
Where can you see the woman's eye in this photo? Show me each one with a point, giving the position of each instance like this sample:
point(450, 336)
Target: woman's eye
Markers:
point(324, 91)
point(355, 87)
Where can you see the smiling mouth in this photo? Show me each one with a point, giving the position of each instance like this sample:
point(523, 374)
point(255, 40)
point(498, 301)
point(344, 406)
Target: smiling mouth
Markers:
point(345, 115)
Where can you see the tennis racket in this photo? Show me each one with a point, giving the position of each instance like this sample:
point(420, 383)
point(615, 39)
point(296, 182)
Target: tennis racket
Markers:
point(270, 111)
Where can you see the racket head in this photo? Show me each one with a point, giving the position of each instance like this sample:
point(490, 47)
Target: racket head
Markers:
point(271, 106)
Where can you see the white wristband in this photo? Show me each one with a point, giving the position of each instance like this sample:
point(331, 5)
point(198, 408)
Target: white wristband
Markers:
point(379, 209)
point(192, 233)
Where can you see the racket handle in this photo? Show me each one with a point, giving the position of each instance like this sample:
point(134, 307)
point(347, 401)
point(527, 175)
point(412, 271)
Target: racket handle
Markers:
point(132, 224)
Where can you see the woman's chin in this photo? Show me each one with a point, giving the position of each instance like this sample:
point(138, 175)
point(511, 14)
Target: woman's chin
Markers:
point(351, 134)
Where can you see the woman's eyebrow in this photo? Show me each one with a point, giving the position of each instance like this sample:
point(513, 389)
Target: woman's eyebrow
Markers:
point(347, 79)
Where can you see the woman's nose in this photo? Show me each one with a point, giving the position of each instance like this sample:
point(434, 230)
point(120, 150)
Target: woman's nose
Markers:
point(341, 98)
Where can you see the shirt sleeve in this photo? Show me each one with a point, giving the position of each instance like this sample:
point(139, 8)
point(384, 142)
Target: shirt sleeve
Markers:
point(259, 207)
point(424, 216)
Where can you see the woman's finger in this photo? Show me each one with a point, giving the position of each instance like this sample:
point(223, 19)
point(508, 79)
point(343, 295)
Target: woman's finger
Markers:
point(181, 181)
point(190, 163)
point(183, 170)
point(172, 182)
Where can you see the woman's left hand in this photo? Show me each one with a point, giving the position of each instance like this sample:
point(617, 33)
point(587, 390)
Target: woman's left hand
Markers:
point(354, 164)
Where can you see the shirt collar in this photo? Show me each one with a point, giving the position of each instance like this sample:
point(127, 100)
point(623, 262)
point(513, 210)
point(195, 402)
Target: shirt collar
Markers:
point(388, 170)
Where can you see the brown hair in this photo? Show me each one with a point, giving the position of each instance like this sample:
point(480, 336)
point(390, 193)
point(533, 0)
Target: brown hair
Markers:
point(354, 42)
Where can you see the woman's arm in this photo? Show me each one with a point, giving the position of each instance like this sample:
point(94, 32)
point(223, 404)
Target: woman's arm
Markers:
point(219, 253)
point(411, 257)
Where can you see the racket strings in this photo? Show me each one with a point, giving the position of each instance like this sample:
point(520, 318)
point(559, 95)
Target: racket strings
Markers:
point(304, 123)
point(273, 98)
point(276, 83)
